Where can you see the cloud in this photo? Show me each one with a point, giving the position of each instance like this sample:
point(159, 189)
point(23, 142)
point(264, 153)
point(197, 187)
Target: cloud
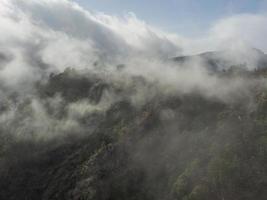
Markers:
point(248, 28)
point(50, 35)
point(237, 31)
point(107, 34)
point(40, 37)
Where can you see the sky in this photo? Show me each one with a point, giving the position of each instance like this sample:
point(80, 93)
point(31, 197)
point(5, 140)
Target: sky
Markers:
point(185, 17)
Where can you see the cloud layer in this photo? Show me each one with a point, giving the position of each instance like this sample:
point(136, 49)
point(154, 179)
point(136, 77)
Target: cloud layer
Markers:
point(40, 37)
point(60, 33)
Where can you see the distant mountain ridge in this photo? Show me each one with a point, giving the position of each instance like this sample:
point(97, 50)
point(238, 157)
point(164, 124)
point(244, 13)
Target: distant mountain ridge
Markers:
point(248, 58)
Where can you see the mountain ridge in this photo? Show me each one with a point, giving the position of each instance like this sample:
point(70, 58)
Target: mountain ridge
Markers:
point(251, 59)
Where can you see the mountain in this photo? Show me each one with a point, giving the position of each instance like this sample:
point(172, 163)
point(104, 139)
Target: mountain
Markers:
point(173, 146)
point(248, 58)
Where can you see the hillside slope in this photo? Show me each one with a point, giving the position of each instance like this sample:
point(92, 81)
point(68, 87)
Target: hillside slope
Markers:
point(176, 146)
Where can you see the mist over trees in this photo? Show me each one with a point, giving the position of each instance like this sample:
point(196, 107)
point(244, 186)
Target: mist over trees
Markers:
point(70, 142)
point(94, 107)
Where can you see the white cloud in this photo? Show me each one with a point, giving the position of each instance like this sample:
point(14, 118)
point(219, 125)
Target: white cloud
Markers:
point(43, 36)
point(247, 28)
point(50, 35)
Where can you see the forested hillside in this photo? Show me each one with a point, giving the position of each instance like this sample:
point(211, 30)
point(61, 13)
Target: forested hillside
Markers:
point(82, 136)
